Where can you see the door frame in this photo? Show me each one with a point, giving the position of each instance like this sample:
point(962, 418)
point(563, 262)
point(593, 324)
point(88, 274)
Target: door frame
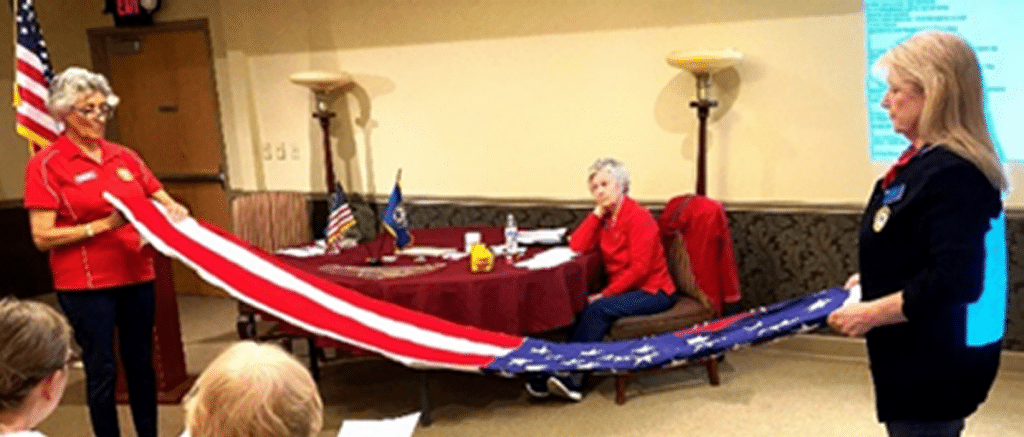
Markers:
point(101, 64)
point(100, 40)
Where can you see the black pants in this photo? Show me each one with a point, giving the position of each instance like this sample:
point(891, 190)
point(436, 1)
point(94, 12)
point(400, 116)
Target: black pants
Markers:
point(95, 314)
point(913, 428)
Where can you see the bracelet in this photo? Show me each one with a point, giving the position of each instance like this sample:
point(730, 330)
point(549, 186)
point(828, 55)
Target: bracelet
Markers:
point(88, 230)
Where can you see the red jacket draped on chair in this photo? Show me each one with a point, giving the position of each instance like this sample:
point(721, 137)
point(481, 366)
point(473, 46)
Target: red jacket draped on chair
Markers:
point(704, 226)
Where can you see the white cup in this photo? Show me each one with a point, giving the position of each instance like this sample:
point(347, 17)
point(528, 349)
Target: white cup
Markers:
point(471, 239)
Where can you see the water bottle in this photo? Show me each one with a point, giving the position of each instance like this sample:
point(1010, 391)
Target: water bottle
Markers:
point(511, 232)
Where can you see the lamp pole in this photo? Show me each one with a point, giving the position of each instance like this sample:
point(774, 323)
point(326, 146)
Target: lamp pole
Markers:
point(703, 105)
point(703, 64)
point(322, 83)
point(324, 115)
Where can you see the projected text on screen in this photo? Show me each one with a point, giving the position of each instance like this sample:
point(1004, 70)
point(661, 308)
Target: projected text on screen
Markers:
point(990, 28)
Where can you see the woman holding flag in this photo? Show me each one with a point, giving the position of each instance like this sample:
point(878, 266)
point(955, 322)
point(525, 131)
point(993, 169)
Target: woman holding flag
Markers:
point(102, 273)
point(922, 245)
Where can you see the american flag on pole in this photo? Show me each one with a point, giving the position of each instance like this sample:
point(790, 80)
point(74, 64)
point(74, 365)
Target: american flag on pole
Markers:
point(416, 339)
point(340, 219)
point(32, 75)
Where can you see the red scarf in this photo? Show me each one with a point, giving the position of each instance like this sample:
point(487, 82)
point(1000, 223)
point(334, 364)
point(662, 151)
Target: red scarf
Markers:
point(900, 163)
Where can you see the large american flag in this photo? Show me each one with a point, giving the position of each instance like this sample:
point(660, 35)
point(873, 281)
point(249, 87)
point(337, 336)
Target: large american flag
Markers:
point(32, 75)
point(340, 219)
point(415, 339)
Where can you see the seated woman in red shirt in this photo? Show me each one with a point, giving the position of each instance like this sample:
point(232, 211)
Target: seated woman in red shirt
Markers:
point(638, 279)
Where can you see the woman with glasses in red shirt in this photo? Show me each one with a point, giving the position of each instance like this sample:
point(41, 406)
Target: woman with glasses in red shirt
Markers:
point(102, 272)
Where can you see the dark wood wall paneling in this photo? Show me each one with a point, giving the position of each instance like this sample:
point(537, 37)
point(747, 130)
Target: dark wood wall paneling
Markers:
point(24, 270)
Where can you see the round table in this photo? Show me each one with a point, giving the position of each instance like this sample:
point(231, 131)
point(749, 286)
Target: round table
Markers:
point(507, 299)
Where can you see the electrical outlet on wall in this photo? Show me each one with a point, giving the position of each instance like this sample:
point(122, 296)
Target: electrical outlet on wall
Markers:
point(268, 151)
point(279, 151)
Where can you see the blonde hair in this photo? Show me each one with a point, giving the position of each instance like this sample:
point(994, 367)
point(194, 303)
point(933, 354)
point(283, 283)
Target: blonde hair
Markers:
point(254, 389)
point(946, 69)
point(35, 341)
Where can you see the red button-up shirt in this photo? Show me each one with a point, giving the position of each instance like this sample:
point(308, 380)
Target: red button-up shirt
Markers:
point(63, 179)
point(630, 247)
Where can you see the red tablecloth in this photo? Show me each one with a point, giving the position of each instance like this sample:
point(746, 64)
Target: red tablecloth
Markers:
point(507, 299)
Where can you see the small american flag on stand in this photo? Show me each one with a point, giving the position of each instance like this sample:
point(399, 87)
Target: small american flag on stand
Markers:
point(32, 74)
point(340, 219)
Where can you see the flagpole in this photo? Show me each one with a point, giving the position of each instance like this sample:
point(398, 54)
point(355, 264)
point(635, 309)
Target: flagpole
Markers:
point(16, 95)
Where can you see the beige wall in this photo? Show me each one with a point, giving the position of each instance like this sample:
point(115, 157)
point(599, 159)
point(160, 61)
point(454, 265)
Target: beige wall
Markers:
point(64, 24)
point(514, 99)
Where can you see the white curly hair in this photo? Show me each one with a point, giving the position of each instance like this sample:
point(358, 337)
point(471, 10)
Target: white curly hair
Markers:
point(71, 85)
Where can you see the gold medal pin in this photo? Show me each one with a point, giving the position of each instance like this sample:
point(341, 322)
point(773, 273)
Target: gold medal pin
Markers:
point(881, 217)
point(125, 174)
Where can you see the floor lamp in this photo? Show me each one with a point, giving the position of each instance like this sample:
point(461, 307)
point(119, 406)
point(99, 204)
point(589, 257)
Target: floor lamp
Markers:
point(322, 83)
point(703, 64)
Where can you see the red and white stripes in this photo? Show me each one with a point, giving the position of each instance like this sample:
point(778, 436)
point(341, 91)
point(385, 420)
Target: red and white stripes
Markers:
point(313, 303)
point(32, 120)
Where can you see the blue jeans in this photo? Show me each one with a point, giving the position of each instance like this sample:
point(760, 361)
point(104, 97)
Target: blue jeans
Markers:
point(95, 314)
point(597, 318)
point(914, 428)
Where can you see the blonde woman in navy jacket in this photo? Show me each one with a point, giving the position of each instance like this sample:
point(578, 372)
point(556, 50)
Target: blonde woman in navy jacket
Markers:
point(922, 243)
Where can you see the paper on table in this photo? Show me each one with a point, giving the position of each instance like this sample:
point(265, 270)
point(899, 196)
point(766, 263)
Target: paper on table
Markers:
point(541, 236)
point(547, 259)
point(317, 248)
point(454, 256)
point(427, 251)
point(502, 250)
point(402, 426)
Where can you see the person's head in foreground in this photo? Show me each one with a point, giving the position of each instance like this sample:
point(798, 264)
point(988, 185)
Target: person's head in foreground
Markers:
point(254, 389)
point(35, 348)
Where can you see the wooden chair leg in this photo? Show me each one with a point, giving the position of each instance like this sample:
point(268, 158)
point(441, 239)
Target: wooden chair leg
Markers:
point(246, 327)
point(314, 358)
point(620, 389)
point(712, 365)
point(425, 418)
point(286, 344)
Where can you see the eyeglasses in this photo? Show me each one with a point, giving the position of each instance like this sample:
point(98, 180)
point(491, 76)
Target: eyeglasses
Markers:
point(103, 110)
point(72, 358)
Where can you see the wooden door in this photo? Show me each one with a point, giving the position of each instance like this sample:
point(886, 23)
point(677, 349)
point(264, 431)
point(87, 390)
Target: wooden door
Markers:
point(168, 114)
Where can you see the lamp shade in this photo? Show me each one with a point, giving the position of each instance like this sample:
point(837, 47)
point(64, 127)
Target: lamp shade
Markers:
point(322, 81)
point(705, 61)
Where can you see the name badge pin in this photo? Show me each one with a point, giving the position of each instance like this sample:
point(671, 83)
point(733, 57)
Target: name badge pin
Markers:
point(82, 178)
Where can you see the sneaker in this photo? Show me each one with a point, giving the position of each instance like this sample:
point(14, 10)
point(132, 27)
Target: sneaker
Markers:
point(537, 388)
point(563, 387)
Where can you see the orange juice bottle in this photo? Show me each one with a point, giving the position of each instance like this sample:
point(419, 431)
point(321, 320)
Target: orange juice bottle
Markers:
point(480, 259)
